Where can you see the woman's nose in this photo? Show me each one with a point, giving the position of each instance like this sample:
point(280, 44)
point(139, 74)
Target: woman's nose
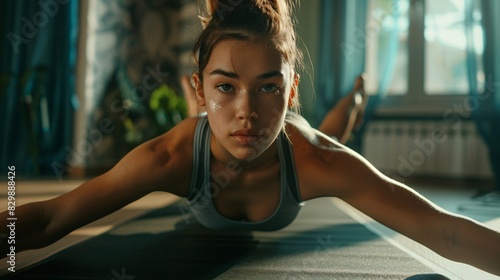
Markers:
point(247, 109)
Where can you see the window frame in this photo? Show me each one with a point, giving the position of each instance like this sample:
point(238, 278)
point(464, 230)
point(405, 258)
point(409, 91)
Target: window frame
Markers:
point(415, 102)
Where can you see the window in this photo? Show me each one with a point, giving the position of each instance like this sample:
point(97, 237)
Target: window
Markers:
point(416, 52)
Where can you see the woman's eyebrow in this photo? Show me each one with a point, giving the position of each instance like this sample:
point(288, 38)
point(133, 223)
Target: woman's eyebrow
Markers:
point(224, 73)
point(271, 74)
point(233, 75)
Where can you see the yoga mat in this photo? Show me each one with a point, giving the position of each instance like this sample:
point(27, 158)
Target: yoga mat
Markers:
point(322, 243)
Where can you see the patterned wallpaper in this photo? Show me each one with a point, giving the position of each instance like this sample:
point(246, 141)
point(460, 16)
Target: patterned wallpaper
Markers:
point(133, 48)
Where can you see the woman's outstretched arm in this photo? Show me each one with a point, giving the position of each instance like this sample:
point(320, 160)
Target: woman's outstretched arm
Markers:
point(159, 164)
point(393, 204)
point(335, 171)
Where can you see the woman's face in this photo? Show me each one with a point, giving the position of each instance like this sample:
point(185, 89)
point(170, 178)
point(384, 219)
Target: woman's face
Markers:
point(246, 88)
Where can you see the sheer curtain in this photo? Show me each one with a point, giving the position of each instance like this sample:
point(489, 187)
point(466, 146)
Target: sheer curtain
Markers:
point(388, 43)
point(37, 92)
point(486, 104)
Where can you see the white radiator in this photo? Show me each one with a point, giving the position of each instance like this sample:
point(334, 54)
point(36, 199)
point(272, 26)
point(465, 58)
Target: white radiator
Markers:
point(426, 148)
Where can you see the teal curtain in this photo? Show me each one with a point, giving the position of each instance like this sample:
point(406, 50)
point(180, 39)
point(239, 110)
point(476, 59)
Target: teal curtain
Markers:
point(342, 57)
point(341, 52)
point(37, 83)
point(487, 102)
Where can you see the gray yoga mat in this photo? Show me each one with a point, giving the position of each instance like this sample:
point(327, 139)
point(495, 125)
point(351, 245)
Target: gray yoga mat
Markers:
point(322, 243)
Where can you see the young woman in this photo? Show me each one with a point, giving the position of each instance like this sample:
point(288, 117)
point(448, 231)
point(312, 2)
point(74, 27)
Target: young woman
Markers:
point(272, 160)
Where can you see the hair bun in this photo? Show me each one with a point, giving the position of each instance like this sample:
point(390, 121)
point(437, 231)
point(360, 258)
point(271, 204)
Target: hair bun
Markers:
point(220, 7)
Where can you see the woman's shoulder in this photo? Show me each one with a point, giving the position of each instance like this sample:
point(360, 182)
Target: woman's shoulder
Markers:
point(183, 130)
point(178, 141)
point(169, 157)
point(322, 163)
point(302, 133)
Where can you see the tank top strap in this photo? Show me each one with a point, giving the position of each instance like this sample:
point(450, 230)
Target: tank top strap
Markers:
point(288, 164)
point(199, 155)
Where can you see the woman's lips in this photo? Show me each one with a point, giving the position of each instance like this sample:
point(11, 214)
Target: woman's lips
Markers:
point(245, 137)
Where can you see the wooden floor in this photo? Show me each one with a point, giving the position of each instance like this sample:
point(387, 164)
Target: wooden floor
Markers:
point(283, 255)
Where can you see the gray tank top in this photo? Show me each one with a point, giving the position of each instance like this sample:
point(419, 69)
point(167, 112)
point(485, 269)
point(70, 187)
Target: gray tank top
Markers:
point(200, 192)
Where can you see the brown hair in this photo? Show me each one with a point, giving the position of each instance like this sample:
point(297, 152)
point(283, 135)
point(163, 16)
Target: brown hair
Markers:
point(270, 20)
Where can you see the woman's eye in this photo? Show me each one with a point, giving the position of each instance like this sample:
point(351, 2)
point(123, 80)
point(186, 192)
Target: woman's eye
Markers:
point(224, 88)
point(269, 88)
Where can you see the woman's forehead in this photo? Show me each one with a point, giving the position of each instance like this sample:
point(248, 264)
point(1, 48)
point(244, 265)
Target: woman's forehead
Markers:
point(252, 57)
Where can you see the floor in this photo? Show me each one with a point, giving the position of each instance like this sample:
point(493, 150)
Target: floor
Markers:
point(316, 246)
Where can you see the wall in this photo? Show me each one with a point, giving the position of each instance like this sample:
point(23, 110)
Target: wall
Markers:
point(308, 31)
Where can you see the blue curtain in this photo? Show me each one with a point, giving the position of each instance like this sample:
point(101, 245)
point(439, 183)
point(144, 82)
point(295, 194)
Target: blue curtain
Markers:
point(486, 103)
point(342, 57)
point(341, 52)
point(37, 83)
